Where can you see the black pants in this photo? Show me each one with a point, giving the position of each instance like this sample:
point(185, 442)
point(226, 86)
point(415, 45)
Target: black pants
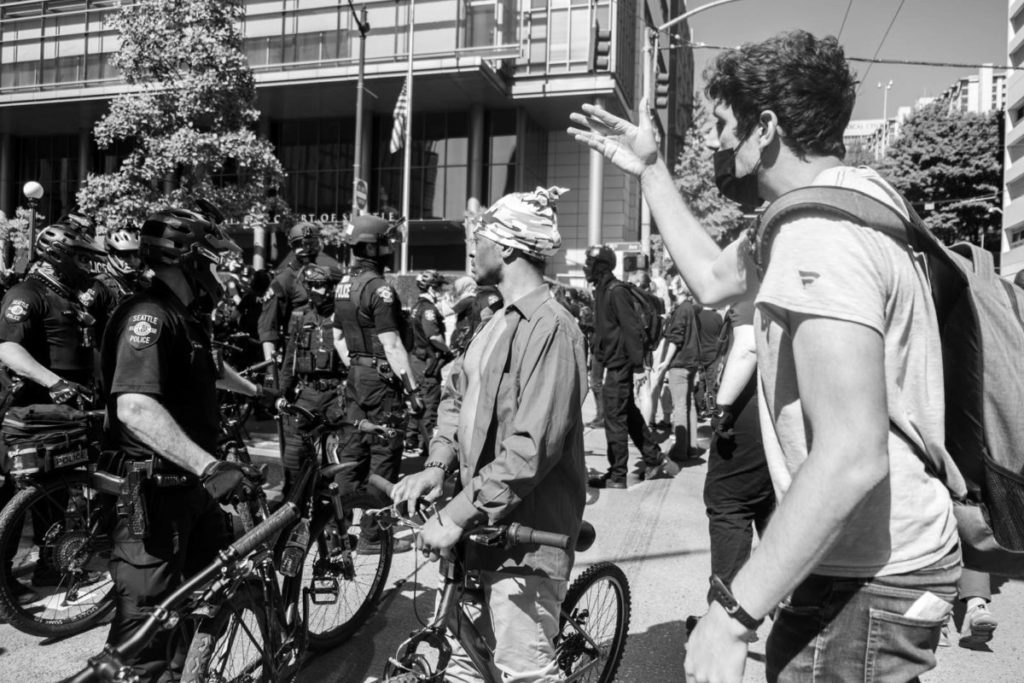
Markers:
point(186, 529)
point(623, 421)
point(369, 397)
point(738, 493)
point(430, 391)
point(313, 399)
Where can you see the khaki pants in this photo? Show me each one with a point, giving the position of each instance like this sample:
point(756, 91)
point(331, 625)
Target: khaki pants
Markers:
point(519, 622)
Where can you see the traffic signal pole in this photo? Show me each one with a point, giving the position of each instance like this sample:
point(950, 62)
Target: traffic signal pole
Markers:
point(357, 164)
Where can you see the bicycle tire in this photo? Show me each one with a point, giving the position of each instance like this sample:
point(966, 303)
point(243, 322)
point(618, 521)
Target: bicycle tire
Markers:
point(216, 638)
point(586, 607)
point(359, 578)
point(51, 614)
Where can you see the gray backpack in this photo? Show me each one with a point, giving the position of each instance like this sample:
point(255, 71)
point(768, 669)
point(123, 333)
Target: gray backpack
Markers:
point(982, 332)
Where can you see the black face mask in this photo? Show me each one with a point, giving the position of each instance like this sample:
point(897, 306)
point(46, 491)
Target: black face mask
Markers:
point(743, 190)
point(323, 303)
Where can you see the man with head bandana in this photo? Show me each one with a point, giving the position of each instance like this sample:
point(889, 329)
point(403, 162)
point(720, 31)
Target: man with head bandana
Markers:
point(510, 424)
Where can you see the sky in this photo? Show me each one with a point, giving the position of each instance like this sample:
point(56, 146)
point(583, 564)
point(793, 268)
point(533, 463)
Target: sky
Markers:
point(960, 31)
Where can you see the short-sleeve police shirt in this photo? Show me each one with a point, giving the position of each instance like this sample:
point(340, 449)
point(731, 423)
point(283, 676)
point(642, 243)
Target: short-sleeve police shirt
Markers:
point(155, 347)
point(46, 325)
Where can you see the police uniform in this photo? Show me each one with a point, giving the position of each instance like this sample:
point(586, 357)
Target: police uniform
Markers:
point(426, 362)
point(312, 369)
point(155, 346)
point(54, 329)
point(286, 294)
point(366, 305)
point(103, 297)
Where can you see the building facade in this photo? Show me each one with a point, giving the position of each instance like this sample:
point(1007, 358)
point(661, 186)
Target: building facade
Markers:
point(1012, 257)
point(494, 84)
point(978, 93)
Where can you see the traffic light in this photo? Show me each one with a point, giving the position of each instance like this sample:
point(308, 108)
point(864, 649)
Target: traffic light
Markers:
point(661, 88)
point(600, 48)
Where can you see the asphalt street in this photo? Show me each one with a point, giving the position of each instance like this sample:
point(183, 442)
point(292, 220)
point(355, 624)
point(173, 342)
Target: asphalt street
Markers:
point(656, 531)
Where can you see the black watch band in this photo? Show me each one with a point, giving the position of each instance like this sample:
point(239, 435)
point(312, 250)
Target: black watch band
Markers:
point(721, 594)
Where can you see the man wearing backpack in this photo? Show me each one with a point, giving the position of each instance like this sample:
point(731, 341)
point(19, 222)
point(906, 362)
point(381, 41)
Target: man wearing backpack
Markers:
point(862, 550)
point(618, 346)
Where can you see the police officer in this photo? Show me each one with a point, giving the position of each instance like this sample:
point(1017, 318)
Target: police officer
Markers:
point(368, 322)
point(118, 278)
point(163, 420)
point(311, 369)
point(46, 340)
point(286, 293)
point(430, 352)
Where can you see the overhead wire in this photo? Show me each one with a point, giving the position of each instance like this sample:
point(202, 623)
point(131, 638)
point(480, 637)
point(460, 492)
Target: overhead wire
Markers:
point(843, 25)
point(880, 44)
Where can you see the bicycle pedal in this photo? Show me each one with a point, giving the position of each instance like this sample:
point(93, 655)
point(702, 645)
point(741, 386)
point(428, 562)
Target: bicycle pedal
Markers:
point(324, 591)
point(205, 611)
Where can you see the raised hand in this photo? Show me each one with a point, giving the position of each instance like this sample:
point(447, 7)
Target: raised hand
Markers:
point(632, 148)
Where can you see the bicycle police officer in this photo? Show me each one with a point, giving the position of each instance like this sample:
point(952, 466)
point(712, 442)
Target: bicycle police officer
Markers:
point(311, 369)
point(163, 420)
point(286, 292)
point(46, 338)
point(430, 351)
point(119, 277)
point(368, 319)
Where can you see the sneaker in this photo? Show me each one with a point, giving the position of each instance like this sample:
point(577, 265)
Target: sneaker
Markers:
point(606, 482)
point(981, 624)
point(666, 469)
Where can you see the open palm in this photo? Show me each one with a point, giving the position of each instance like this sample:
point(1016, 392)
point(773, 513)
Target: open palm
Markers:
point(632, 148)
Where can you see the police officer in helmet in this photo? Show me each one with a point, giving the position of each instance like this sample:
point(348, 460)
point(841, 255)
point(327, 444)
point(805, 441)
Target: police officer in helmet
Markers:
point(369, 324)
point(286, 291)
point(118, 278)
point(430, 351)
point(311, 370)
point(163, 421)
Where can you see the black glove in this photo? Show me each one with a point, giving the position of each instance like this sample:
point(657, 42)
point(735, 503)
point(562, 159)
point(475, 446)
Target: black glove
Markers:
point(267, 396)
point(416, 405)
point(63, 391)
point(226, 480)
point(722, 421)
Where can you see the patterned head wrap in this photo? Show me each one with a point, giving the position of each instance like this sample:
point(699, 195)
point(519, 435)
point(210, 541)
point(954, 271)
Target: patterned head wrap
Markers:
point(524, 220)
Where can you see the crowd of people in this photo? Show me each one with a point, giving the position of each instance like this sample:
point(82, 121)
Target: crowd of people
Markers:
point(808, 370)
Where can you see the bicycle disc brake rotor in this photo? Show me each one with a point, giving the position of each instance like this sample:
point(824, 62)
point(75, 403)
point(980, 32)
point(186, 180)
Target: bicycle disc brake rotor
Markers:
point(66, 550)
point(411, 666)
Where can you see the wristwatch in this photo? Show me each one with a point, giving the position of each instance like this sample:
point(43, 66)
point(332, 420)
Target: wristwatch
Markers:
point(721, 594)
point(439, 465)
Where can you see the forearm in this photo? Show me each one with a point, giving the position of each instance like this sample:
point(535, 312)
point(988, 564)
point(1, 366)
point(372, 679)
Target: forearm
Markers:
point(18, 359)
point(711, 274)
point(397, 357)
point(341, 347)
point(232, 381)
point(269, 349)
point(740, 366)
point(150, 423)
point(824, 495)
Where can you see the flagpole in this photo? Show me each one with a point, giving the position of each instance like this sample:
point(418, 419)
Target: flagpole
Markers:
point(407, 152)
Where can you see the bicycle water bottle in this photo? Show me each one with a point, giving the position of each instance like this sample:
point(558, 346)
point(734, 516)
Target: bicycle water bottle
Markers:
point(295, 549)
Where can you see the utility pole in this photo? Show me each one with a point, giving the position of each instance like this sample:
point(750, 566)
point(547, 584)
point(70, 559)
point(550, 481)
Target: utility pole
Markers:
point(885, 115)
point(357, 164)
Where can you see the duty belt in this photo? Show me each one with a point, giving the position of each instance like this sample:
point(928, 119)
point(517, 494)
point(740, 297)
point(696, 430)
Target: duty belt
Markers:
point(321, 384)
point(160, 474)
point(368, 361)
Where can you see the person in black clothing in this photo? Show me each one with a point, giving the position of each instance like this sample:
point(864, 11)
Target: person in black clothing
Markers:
point(163, 421)
point(119, 277)
point(46, 341)
point(465, 297)
point(618, 347)
point(371, 333)
point(430, 352)
point(738, 490)
point(311, 371)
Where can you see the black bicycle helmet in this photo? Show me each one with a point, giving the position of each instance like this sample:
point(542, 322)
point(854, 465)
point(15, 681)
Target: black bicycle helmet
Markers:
point(189, 240)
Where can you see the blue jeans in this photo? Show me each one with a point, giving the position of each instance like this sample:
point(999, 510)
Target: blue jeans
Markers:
point(850, 629)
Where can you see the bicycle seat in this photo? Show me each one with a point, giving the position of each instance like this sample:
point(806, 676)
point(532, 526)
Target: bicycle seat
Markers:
point(586, 538)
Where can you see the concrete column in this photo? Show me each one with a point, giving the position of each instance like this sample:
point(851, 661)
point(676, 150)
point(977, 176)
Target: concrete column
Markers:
point(84, 154)
point(477, 148)
point(259, 235)
point(595, 205)
point(520, 179)
point(8, 203)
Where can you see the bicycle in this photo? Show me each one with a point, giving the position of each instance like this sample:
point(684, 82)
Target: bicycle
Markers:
point(593, 625)
point(251, 607)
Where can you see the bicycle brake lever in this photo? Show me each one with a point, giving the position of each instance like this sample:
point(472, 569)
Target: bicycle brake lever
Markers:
point(490, 536)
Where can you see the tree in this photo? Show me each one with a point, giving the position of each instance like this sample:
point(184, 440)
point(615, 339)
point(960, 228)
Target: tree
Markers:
point(695, 179)
point(187, 117)
point(947, 164)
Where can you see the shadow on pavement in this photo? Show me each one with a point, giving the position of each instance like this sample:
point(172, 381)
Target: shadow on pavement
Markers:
point(656, 654)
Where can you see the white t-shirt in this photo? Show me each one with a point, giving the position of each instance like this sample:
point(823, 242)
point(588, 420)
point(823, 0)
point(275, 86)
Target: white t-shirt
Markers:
point(835, 269)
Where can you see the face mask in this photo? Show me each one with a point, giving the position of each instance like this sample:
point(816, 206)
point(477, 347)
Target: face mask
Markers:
point(743, 190)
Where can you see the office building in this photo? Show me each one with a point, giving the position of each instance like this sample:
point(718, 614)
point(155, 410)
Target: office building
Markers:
point(1012, 257)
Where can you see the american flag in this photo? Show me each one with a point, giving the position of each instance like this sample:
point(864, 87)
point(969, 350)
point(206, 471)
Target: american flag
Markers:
point(401, 112)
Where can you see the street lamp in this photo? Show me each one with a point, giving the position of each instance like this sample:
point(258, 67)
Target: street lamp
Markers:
point(33, 193)
point(885, 114)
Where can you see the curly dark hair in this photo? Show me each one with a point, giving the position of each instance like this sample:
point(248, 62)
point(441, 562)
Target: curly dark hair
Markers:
point(805, 81)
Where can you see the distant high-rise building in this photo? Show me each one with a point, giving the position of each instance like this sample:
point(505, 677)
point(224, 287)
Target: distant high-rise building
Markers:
point(1012, 258)
point(978, 93)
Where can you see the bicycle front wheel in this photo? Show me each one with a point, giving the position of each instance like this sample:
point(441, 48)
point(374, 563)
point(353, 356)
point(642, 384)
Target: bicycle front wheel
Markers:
point(594, 625)
point(234, 644)
point(54, 550)
point(345, 575)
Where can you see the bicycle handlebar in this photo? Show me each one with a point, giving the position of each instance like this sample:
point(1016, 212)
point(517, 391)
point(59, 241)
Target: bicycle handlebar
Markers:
point(295, 410)
point(517, 533)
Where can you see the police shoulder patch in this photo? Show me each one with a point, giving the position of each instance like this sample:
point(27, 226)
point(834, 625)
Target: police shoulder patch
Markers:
point(430, 315)
point(143, 330)
point(386, 293)
point(16, 311)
